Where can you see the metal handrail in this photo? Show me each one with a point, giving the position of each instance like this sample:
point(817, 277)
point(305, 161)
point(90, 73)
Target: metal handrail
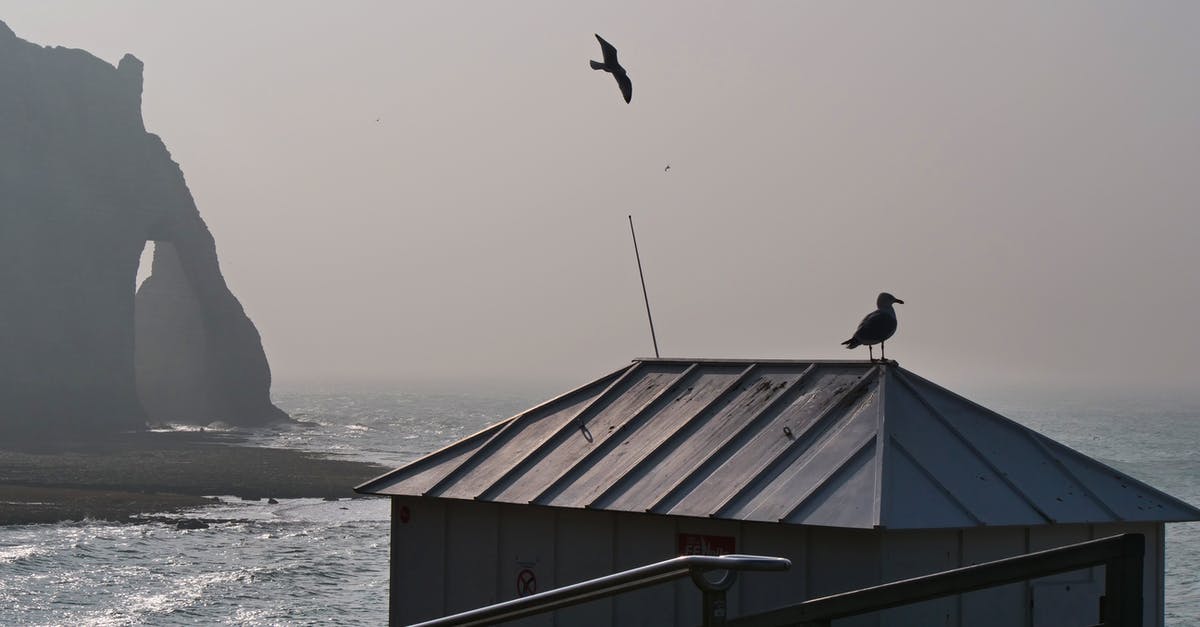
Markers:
point(1122, 556)
point(636, 578)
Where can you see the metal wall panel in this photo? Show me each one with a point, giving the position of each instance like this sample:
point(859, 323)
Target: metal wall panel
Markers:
point(584, 550)
point(527, 549)
point(1069, 599)
point(472, 555)
point(906, 554)
point(763, 591)
point(418, 560)
point(840, 560)
point(1004, 606)
point(640, 540)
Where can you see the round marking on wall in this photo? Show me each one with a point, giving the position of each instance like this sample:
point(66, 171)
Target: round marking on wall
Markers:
point(405, 515)
point(526, 582)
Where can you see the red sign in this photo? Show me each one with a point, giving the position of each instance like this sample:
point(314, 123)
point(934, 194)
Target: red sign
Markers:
point(697, 544)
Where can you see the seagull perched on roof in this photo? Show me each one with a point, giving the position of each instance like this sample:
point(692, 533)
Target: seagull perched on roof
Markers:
point(611, 66)
point(877, 326)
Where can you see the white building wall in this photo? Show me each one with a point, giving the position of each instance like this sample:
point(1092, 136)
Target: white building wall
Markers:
point(418, 575)
point(995, 607)
point(452, 556)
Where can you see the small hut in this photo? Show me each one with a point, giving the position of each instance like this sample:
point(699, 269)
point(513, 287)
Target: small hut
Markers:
point(859, 472)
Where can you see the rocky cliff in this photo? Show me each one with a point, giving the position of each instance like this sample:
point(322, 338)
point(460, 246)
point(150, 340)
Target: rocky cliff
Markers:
point(83, 187)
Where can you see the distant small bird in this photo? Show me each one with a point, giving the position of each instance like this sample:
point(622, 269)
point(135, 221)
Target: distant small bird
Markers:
point(668, 168)
point(611, 66)
point(877, 326)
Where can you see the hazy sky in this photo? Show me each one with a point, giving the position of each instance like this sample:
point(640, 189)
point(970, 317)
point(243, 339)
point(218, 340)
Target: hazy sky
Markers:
point(1023, 174)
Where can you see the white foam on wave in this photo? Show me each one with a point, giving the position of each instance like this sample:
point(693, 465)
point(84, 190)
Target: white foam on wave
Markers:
point(10, 554)
point(139, 608)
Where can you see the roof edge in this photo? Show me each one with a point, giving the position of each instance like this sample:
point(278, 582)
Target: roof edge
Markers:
point(368, 486)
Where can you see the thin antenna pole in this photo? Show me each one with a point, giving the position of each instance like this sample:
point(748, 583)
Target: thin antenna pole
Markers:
point(653, 338)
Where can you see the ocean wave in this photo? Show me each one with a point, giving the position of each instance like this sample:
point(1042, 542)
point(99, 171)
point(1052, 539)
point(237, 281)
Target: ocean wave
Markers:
point(12, 554)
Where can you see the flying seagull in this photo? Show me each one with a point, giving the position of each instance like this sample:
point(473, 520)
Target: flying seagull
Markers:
point(877, 327)
point(611, 66)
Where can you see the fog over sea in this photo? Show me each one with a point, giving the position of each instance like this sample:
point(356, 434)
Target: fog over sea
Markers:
point(306, 561)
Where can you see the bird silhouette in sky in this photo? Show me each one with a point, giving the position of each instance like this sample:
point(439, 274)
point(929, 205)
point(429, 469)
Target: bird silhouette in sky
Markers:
point(877, 326)
point(611, 66)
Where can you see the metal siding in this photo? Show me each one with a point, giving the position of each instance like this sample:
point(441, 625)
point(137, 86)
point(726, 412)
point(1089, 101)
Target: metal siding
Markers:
point(500, 456)
point(1068, 599)
point(417, 477)
point(418, 575)
point(1003, 606)
point(954, 467)
point(1133, 501)
point(830, 479)
point(840, 560)
point(676, 465)
point(584, 550)
point(472, 556)
point(641, 540)
point(718, 475)
point(911, 554)
point(593, 429)
point(694, 396)
point(846, 500)
point(917, 500)
point(817, 409)
point(1011, 448)
point(764, 591)
point(527, 541)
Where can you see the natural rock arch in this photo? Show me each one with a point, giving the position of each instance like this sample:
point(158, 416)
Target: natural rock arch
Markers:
point(83, 187)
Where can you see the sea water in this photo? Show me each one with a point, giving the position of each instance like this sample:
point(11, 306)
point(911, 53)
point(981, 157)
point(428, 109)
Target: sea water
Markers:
point(308, 561)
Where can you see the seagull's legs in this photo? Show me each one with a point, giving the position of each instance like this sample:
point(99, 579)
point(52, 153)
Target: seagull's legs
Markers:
point(882, 353)
point(871, 352)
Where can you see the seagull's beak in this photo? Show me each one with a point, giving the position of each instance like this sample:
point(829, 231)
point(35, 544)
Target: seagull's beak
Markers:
point(898, 301)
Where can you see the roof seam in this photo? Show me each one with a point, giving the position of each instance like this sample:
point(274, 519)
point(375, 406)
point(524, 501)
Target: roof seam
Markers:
point(1009, 421)
point(575, 422)
point(605, 447)
point(881, 430)
point(726, 449)
point(687, 426)
point(804, 442)
point(424, 460)
point(471, 462)
point(940, 486)
point(823, 483)
point(1041, 446)
point(900, 376)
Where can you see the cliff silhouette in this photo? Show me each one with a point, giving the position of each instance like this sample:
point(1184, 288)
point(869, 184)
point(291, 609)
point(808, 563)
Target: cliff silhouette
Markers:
point(83, 187)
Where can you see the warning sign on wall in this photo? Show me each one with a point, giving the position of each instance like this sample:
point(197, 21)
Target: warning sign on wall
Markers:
point(526, 582)
point(698, 544)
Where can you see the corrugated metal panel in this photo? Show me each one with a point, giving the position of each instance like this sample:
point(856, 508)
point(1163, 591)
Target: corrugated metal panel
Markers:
point(829, 443)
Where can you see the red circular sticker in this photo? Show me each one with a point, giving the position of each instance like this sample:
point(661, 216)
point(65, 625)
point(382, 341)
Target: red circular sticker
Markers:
point(526, 582)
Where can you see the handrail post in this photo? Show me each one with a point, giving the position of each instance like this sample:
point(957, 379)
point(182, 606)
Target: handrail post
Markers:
point(1123, 584)
point(714, 609)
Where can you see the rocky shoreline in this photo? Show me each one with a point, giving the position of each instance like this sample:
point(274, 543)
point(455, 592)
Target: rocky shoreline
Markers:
point(127, 476)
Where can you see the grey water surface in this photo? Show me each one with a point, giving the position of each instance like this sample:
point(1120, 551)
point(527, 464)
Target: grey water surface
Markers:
point(307, 561)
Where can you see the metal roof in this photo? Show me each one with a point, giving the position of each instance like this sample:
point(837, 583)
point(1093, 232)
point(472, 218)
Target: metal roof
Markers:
point(831, 443)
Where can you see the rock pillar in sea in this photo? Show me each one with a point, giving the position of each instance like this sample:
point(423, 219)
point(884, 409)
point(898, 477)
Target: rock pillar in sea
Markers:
point(83, 187)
